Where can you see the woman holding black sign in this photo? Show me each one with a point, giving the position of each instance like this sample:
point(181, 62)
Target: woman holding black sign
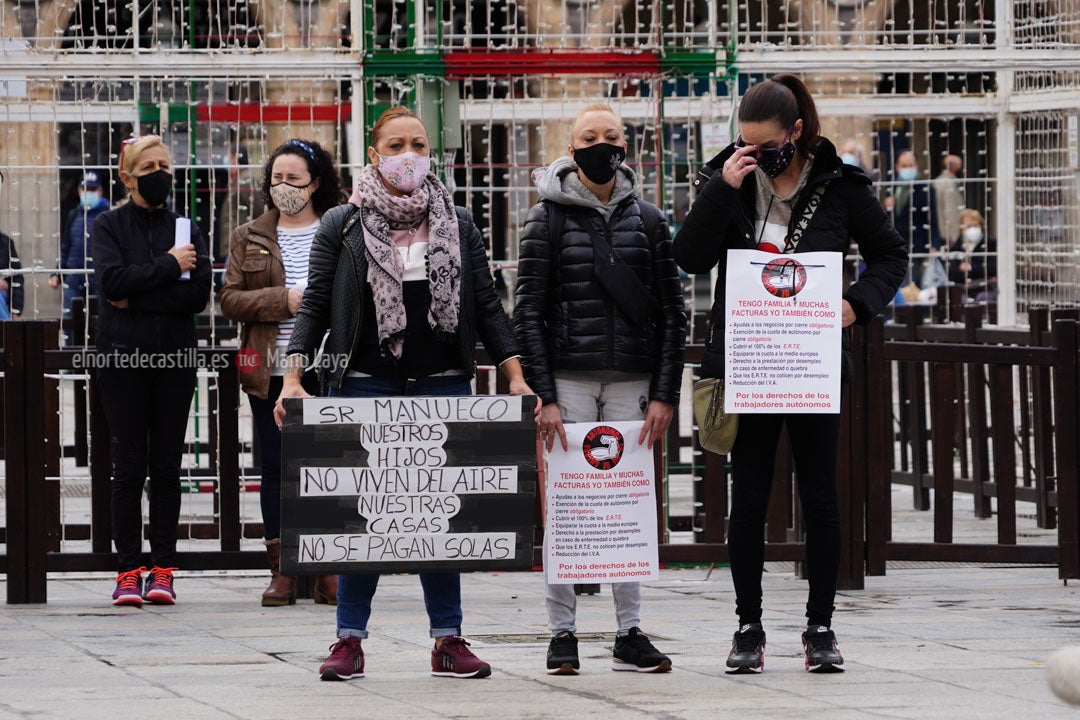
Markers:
point(599, 311)
point(781, 188)
point(401, 279)
point(264, 283)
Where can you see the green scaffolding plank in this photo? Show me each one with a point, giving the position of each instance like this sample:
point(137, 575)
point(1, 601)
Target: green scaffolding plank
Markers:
point(381, 63)
point(694, 63)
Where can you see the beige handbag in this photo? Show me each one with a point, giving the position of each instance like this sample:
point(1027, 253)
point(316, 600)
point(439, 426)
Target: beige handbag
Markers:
point(716, 429)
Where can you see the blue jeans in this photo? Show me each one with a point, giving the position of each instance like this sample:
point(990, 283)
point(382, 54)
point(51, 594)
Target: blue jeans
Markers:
point(442, 590)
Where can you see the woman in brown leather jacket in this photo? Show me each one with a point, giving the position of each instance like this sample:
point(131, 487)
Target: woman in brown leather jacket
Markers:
point(264, 283)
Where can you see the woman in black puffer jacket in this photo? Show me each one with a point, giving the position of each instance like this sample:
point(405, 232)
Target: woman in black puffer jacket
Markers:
point(756, 194)
point(602, 341)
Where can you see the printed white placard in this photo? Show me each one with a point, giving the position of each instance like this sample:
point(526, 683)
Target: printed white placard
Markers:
point(715, 136)
point(782, 332)
point(601, 506)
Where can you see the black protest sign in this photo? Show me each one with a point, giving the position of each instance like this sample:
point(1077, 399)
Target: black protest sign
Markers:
point(408, 484)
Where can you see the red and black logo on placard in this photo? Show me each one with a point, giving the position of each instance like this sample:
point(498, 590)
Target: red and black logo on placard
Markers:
point(603, 447)
point(783, 277)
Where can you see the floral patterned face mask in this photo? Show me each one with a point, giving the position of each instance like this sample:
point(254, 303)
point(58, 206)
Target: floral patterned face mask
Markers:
point(405, 171)
point(290, 199)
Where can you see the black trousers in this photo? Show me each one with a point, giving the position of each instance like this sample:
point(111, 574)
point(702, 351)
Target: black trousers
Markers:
point(147, 411)
point(815, 443)
point(262, 419)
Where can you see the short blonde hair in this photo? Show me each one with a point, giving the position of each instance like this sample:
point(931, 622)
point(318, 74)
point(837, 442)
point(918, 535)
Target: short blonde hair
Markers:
point(130, 151)
point(969, 214)
point(597, 107)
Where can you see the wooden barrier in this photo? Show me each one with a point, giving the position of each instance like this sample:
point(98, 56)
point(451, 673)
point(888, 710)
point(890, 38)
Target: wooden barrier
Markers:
point(955, 409)
point(966, 377)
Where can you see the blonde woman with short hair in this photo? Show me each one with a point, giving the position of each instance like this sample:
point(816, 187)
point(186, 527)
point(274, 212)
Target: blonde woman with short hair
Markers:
point(153, 274)
point(598, 346)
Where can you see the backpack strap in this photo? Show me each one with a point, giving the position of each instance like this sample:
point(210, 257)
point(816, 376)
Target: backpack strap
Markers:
point(650, 217)
point(556, 217)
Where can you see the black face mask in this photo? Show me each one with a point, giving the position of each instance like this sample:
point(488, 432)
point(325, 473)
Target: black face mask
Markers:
point(600, 161)
point(155, 187)
point(773, 161)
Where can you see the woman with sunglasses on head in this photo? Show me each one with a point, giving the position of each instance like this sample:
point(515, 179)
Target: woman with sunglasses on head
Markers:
point(400, 246)
point(751, 196)
point(153, 273)
point(264, 283)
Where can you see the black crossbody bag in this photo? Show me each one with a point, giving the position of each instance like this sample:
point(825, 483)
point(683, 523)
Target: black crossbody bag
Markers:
point(617, 279)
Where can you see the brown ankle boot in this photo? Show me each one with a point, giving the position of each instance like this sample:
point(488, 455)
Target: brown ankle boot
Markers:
point(325, 592)
point(282, 588)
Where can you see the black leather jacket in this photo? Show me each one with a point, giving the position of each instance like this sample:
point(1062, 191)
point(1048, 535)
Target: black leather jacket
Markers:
point(337, 284)
point(722, 217)
point(566, 321)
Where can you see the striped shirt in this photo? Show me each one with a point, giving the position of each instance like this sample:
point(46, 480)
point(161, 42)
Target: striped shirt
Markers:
point(295, 246)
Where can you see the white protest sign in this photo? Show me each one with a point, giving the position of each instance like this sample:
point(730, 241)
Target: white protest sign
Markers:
point(782, 332)
point(601, 506)
point(715, 136)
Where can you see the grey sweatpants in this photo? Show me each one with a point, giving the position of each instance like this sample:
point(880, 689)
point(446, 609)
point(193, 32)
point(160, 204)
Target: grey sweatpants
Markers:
point(593, 402)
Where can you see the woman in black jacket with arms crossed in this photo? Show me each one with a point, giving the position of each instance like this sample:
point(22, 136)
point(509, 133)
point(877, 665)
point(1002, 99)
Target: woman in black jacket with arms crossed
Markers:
point(147, 324)
point(751, 196)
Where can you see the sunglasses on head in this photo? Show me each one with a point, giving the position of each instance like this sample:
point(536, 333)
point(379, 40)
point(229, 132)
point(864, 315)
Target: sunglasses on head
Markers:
point(131, 141)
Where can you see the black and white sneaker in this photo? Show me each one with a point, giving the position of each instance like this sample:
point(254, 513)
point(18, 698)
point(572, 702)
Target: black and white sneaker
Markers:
point(562, 657)
point(747, 650)
point(634, 652)
point(822, 652)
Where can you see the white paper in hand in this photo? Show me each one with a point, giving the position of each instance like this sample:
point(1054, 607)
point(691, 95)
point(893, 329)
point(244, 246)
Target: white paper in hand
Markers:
point(183, 238)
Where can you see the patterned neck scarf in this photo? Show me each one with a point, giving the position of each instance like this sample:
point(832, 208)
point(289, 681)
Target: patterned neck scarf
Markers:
point(382, 212)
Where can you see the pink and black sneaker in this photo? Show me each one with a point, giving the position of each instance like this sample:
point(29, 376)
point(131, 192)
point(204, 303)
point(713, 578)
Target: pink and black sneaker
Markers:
point(129, 588)
point(159, 587)
point(455, 659)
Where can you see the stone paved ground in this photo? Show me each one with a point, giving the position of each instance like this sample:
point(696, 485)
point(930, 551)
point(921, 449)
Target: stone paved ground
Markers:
point(940, 642)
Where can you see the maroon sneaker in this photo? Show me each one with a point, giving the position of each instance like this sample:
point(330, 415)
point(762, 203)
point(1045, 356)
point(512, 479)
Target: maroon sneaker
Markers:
point(129, 588)
point(455, 659)
point(346, 660)
point(159, 586)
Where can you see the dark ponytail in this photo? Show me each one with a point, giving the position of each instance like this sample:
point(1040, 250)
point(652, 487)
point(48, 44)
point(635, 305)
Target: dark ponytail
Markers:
point(783, 99)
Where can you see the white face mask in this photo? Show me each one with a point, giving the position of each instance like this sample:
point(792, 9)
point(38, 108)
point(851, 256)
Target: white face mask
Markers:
point(973, 234)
